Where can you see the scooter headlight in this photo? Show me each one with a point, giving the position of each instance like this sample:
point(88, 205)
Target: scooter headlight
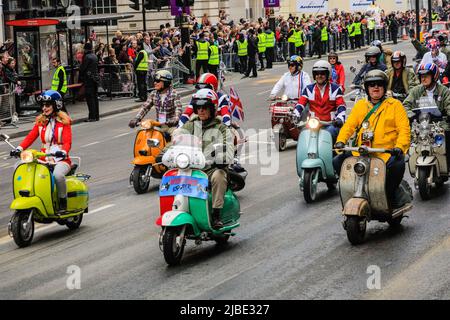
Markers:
point(26, 156)
point(313, 123)
point(183, 161)
point(360, 168)
point(284, 98)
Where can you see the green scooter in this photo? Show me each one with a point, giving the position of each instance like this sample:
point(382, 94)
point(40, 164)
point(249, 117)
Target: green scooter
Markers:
point(36, 196)
point(185, 200)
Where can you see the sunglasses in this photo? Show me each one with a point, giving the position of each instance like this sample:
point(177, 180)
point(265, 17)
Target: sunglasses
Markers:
point(376, 84)
point(157, 80)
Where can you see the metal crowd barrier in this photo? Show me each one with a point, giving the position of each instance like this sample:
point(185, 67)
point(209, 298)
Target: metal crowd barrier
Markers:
point(117, 80)
point(7, 105)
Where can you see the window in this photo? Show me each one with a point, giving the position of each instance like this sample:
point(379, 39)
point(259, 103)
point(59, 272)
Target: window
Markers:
point(105, 7)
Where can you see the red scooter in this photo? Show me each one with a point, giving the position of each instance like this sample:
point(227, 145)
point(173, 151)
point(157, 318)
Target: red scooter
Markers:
point(283, 124)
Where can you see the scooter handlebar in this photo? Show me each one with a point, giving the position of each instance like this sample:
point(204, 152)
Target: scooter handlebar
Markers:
point(363, 150)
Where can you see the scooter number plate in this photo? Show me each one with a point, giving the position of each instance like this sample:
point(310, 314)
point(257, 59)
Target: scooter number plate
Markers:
point(186, 186)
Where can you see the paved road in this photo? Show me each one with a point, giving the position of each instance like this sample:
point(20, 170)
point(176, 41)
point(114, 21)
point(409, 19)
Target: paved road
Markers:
point(284, 249)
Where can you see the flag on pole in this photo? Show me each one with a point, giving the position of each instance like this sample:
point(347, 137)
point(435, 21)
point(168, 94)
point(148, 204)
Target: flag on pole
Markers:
point(237, 111)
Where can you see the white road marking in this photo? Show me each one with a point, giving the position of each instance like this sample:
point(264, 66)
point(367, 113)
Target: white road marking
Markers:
point(122, 134)
point(350, 93)
point(90, 144)
point(100, 209)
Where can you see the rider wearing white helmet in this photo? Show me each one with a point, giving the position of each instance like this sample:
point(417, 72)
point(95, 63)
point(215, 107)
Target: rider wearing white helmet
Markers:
point(325, 99)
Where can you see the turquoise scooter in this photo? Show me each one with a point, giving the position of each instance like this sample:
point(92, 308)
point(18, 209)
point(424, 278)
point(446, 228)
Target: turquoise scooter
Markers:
point(315, 157)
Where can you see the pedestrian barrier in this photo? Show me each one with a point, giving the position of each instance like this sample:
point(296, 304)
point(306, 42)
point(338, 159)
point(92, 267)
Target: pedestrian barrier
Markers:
point(116, 80)
point(7, 106)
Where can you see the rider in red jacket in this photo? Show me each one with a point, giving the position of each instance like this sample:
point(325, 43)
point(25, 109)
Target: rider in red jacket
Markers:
point(325, 99)
point(53, 127)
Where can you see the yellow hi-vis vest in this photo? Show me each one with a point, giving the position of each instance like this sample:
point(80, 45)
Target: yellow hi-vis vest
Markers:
point(143, 65)
point(299, 39)
point(292, 39)
point(202, 50)
point(371, 24)
point(242, 48)
point(324, 34)
point(358, 31)
point(55, 80)
point(214, 59)
point(270, 40)
point(261, 43)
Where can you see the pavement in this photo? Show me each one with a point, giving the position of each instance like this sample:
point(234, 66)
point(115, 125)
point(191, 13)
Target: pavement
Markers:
point(79, 110)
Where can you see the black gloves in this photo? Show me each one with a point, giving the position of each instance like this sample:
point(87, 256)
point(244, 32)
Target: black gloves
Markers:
point(60, 154)
point(133, 123)
point(338, 123)
point(396, 152)
point(15, 153)
point(339, 145)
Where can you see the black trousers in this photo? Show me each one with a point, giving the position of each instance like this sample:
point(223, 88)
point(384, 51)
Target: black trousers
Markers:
point(91, 94)
point(394, 35)
point(292, 49)
point(214, 70)
point(251, 66)
point(352, 43)
point(324, 47)
point(395, 170)
point(317, 49)
point(270, 56)
point(261, 59)
point(243, 62)
point(141, 78)
point(200, 64)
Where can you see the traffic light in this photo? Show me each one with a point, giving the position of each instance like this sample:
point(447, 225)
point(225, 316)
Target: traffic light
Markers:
point(156, 4)
point(135, 4)
point(185, 3)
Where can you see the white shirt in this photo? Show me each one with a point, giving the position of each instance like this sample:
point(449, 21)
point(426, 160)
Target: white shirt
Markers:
point(293, 85)
point(440, 60)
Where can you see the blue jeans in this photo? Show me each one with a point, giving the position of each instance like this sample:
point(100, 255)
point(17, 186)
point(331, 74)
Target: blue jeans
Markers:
point(334, 131)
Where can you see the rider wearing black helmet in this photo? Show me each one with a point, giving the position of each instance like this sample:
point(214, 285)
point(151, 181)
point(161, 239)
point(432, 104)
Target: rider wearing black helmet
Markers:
point(372, 56)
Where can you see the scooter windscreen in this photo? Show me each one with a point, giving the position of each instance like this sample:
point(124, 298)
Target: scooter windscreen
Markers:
point(185, 152)
point(428, 110)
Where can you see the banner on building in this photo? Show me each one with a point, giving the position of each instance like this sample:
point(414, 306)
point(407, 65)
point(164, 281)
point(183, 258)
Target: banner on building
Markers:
point(312, 6)
point(271, 3)
point(360, 5)
point(178, 11)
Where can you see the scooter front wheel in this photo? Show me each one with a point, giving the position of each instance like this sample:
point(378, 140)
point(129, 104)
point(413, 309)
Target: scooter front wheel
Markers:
point(281, 141)
point(173, 246)
point(424, 186)
point(139, 183)
point(356, 229)
point(22, 231)
point(309, 187)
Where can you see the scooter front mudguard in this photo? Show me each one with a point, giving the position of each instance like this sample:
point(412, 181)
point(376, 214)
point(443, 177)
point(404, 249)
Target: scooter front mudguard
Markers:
point(179, 218)
point(426, 161)
point(27, 203)
point(357, 207)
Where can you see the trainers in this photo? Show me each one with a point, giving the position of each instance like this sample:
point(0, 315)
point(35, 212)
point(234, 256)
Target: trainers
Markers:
point(62, 204)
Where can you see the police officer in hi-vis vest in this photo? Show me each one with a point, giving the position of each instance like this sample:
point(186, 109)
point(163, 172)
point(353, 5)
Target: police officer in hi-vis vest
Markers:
point(214, 58)
point(141, 68)
point(201, 49)
point(59, 81)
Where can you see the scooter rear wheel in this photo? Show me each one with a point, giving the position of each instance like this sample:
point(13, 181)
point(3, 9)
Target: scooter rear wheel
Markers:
point(173, 250)
point(21, 236)
point(140, 186)
point(74, 222)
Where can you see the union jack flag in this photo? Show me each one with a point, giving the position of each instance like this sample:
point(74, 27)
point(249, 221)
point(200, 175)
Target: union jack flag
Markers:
point(237, 111)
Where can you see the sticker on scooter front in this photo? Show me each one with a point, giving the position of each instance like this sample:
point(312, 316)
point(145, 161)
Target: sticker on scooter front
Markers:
point(186, 186)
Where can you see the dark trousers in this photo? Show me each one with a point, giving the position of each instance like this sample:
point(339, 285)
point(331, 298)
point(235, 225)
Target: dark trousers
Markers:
point(371, 35)
point(91, 94)
point(214, 70)
point(261, 59)
point(317, 49)
point(324, 47)
point(201, 64)
point(358, 40)
point(251, 66)
point(141, 78)
point(270, 55)
point(395, 169)
point(301, 51)
point(292, 49)
point(352, 43)
point(243, 62)
point(394, 35)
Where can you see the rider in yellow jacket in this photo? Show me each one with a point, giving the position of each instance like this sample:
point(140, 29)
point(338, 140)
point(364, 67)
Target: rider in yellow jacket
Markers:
point(381, 123)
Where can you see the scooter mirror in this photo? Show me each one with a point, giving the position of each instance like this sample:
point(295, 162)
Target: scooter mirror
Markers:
point(4, 137)
point(153, 143)
point(353, 69)
point(360, 61)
